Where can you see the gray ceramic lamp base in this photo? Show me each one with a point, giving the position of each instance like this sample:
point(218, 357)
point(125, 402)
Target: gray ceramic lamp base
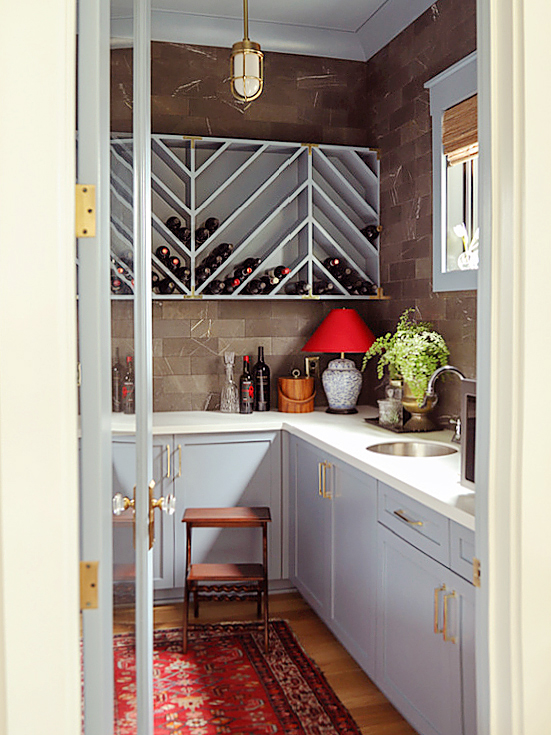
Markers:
point(342, 382)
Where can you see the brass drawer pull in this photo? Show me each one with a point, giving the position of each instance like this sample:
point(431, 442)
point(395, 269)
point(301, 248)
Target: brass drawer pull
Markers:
point(320, 471)
point(179, 461)
point(437, 592)
point(448, 638)
point(168, 460)
point(402, 515)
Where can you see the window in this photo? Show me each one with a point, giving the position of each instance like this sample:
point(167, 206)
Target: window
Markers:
point(453, 105)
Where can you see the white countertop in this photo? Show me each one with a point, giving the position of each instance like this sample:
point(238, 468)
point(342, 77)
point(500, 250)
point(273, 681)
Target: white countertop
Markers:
point(433, 481)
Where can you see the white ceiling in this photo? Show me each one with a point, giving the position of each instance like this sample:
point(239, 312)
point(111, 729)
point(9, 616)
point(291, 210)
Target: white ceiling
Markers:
point(349, 29)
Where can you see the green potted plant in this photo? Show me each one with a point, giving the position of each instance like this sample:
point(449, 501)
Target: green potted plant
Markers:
point(412, 353)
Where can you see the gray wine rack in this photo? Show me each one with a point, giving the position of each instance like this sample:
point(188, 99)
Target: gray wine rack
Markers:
point(285, 203)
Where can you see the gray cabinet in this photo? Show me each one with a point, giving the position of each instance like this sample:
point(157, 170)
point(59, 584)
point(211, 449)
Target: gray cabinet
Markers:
point(425, 620)
point(208, 470)
point(333, 553)
point(223, 470)
point(124, 480)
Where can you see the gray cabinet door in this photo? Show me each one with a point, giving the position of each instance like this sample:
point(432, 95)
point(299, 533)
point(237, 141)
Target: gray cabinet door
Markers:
point(124, 480)
point(310, 527)
point(226, 470)
point(354, 563)
point(417, 670)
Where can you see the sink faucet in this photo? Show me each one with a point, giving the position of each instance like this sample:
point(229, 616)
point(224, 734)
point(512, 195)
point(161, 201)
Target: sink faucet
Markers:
point(433, 378)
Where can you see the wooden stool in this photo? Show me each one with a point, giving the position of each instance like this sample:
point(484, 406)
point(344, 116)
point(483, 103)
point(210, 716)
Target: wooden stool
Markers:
point(254, 575)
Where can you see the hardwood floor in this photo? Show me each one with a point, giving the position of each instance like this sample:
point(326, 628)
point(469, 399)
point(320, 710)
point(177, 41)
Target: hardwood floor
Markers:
point(372, 712)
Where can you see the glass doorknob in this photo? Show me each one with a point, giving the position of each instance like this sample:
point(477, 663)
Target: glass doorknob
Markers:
point(121, 503)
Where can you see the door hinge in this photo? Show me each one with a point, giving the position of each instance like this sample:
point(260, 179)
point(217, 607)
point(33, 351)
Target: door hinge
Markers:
point(476, 572)
point(85, 210)
point(89, 585)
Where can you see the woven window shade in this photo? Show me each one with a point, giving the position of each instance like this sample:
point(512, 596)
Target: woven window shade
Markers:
point(460, 131)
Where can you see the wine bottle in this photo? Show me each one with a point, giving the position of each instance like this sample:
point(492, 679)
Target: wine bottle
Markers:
point(269, 282)
point(255, 287)
point(183, 234)
point(117, 384)
point(202, 272)
point(261, 378)
point(225, 249)
point(183, 273)
point(116, 284)
point(320, 287)
point(166, 286)
point(128, 387)
point(201, 235)
point(212, 224)
point(331, 263)
point(173, 224)
point(230, 284)
point(173, 263)
point(279, 272)
point(155, 280)
point(242, 272)
point(371, 232)
point(296, 288)
point(246, 388)
point(252, 263)
point(215, 287)
point(163, 253)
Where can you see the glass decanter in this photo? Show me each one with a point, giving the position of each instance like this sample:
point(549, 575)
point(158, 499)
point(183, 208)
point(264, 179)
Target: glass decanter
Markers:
point(229, 397)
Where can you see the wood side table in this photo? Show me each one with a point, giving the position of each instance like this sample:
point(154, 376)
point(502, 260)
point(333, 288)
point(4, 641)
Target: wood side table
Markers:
point(255, 576)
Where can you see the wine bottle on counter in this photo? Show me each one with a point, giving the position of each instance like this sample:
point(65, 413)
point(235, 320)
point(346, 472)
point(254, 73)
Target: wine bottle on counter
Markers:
point(163, 253)
point(201, 235)
point(173, 224)
point(117, 384)
point(261, 381)
point(279, 272)
point(296, 288)
point(246, 388)
point(212, 224)
point(128, 405)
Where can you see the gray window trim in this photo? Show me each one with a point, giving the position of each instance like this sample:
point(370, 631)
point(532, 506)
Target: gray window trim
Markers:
point(455, 84)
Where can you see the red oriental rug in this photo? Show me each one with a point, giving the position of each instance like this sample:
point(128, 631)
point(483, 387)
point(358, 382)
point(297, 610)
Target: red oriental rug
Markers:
point(227, 684)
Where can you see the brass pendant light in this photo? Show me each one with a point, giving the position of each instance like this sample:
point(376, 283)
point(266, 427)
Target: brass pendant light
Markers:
point(246, 65)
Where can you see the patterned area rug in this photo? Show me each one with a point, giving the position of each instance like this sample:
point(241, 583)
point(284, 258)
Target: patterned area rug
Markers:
point(227, 684)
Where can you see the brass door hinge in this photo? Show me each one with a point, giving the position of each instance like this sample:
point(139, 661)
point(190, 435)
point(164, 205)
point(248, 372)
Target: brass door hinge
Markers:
point(89, 585)
point(476, 572)
point(85, 210)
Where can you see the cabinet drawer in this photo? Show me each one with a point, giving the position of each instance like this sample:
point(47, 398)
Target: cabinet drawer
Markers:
point(462, 550)
point(422, 527)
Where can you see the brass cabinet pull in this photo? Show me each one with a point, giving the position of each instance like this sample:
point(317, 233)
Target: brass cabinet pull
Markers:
point(320, 470)
point(326, 494)
point(448, 638)
point(437, 592)
point(401, 514)
point(179, 461)
point(168, 460)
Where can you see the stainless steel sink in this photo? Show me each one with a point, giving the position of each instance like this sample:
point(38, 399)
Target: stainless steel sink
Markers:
point(412, 449)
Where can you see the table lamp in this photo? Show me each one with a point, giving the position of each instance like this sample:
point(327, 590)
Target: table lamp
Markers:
point(342, 331)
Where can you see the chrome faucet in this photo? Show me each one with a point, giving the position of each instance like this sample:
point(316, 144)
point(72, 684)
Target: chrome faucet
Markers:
point(433, 378)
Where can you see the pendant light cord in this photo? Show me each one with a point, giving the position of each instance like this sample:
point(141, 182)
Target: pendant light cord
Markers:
point(245, 20)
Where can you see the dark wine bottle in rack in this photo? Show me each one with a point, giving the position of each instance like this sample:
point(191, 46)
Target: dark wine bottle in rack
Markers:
point(279, 272)
point(183, 234)
point(212, 224)
point(270, 282)
point(255, 287)
point(173, 263)
point(230, 284)
point(183, 274)
point(242, 272)
point(371, 232)
point(252, 263)
point(202, 273)
point(173, 223)
point(225, 249)
point(163, 253)
point(215, 287)
point(155, 280)
point(201, 235)
point(116, 284)
point(166, 286)
point(296, 288)
point(331, 263)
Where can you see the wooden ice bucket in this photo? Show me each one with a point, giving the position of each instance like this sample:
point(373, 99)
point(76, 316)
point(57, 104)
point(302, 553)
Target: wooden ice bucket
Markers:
point(295, 395)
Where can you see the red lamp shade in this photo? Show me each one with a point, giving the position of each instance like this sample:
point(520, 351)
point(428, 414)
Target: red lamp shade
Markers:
point(342, 330)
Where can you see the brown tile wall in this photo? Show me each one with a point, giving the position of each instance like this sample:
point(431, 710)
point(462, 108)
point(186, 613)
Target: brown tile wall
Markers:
point(400, 125)
point(381, 103)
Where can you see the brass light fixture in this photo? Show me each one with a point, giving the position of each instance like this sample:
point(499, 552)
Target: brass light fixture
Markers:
point(246, 65)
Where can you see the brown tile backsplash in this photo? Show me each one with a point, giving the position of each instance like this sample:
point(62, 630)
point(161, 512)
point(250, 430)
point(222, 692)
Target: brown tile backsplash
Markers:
point(380, 103)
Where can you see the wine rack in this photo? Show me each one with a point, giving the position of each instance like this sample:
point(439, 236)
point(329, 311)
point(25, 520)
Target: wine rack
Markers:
point(302, 206)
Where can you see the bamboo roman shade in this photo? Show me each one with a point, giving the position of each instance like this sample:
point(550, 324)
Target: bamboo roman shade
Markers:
point(460, 131)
